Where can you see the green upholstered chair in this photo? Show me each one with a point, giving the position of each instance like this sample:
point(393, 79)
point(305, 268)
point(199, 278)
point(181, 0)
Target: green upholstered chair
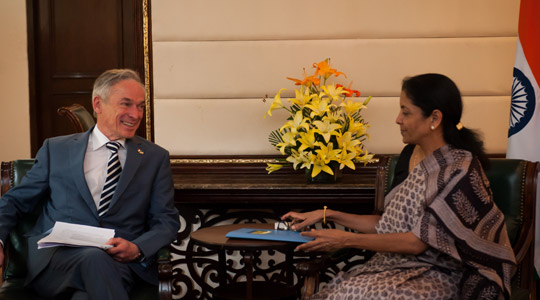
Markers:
point(79, 117)
point(513, 183)
point(14, 271)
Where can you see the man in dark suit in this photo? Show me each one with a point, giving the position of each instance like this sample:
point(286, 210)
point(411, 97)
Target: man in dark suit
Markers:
point(72, 171)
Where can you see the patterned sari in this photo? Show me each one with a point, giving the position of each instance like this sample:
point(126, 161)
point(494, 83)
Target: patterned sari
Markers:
point(447, 203)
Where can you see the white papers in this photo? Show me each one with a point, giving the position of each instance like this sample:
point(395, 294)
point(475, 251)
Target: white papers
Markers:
point(75, 235)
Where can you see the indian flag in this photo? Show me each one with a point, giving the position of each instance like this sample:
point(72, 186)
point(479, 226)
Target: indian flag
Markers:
point(524, 130)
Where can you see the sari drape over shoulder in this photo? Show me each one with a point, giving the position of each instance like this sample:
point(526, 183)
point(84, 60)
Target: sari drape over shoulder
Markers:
point(462, 221)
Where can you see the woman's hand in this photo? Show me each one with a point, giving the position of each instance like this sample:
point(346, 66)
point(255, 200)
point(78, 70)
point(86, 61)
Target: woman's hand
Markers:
point(326, 240)
point(334, 239)
point(302, 220)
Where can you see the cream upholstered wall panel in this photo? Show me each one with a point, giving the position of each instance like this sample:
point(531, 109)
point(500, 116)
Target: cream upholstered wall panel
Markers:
point(14, 103)
point(211, 20)
point(214, 61)
point(381, 113)
point(250, 69)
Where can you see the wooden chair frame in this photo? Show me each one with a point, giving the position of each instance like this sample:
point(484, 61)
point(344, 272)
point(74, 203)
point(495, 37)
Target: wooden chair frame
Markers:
point(73, 114)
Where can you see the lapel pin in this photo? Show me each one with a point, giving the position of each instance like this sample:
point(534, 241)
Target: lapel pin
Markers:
point(140, 151)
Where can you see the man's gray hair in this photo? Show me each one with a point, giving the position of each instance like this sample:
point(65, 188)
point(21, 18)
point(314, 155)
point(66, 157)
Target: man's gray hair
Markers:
point(105, 81)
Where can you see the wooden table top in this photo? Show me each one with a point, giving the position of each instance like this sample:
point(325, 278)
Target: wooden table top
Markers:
point(214, 237)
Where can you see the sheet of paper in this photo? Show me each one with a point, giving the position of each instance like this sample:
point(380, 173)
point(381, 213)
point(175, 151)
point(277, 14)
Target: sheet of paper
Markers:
point(75, 235)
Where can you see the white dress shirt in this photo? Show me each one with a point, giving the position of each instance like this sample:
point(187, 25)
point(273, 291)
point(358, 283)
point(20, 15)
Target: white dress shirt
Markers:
point(95, 162)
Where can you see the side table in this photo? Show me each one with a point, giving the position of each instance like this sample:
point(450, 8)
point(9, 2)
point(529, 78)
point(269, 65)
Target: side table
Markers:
point(214, 238)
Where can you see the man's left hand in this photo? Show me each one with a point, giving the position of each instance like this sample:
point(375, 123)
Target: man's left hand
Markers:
point(123, 250)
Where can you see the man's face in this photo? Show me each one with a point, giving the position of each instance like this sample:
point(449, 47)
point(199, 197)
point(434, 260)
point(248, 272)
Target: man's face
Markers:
point(120, 115)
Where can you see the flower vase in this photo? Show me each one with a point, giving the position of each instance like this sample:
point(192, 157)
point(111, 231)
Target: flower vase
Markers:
point(323, 177)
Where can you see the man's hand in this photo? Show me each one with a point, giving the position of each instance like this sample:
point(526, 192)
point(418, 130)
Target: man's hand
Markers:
point(123, 250)
point(1, 256)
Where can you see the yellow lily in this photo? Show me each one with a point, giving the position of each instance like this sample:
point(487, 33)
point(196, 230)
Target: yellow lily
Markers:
point(332, 92)
point(364, 157)
point(318, 166)
point(273, 167)
point(351, 107)
point(307, 140)
point(276, 104)
point(297, 158)
point(288, 140)
point(302, 96)
point(346, 142)
point(334, 116)
point(346, 159)
point(296, 123)
point(326, 129)
point(327, 152)
point(318, 107)
point(358, 128)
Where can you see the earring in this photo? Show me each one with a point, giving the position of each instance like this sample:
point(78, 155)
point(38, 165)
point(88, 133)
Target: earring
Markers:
point(432, 127)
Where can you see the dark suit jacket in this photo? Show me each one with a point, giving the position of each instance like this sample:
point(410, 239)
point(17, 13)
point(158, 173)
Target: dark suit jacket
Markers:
point(141, 211)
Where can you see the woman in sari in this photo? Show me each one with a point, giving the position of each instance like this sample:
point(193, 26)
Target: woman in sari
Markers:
point(441, 236)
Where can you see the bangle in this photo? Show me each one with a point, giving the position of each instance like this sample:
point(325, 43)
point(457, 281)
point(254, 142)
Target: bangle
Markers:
point(324, 215)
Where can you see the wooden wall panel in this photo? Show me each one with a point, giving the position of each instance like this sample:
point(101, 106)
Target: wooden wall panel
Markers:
point(74, 42)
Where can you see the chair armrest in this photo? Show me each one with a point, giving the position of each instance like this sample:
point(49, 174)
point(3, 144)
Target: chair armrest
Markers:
point(310, 271)
point(164, 254)
point(164, 273)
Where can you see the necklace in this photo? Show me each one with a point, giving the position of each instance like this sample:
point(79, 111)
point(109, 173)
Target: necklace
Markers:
point(417, 156)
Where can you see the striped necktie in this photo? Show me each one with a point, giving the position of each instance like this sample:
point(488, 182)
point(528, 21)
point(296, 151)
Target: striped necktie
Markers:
point(113, 174)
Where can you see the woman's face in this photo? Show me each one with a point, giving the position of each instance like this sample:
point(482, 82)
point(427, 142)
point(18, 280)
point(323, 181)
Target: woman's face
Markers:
point(413, 125)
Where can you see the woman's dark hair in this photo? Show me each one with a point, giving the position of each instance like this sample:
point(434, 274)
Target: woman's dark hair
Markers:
point(436, 91)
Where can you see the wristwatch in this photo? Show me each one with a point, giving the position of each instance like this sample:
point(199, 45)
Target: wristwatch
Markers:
point(140, 257)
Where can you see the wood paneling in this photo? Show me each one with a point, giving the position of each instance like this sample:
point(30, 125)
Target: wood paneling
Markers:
point(71, 43)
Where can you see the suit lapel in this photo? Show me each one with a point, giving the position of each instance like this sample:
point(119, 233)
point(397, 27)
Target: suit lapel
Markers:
point(133, 160)
point(77, 151)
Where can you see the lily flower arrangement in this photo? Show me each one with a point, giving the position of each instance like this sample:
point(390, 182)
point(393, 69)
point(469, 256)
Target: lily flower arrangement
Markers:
point(325, 129)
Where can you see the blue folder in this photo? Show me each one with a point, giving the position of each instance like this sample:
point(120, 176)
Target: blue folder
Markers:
point(269, 234)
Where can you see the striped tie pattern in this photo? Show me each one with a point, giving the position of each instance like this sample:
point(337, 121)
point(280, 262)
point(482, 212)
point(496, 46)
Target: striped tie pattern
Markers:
point(113, 174)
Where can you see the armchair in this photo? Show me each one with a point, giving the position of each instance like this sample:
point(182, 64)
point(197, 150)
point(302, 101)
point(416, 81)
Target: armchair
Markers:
point(14, 271)
point(513, 183)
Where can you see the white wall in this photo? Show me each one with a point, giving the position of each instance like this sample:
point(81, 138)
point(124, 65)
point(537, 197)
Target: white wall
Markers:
point(14, 100)
point(215, 60)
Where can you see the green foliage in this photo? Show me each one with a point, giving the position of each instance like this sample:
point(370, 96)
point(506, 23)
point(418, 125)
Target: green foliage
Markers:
point(275, 138)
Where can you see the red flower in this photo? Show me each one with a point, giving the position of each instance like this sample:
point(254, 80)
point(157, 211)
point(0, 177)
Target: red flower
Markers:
point(350, 92)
